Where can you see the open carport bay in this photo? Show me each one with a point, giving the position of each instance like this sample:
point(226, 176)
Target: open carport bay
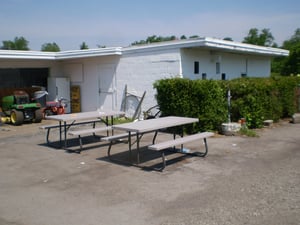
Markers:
point(242, 180)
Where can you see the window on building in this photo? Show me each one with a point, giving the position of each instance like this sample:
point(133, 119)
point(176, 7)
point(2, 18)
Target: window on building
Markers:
point(223, 76)
point(203, 76)
point(243, 75)
point(218, 68)
point(196, 67)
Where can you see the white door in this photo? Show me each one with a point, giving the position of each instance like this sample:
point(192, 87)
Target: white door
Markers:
point(107, 90)
point(59, 87)
point(63, 91)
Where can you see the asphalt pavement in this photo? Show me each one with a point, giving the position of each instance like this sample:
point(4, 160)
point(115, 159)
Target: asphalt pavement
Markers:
point(242, 180)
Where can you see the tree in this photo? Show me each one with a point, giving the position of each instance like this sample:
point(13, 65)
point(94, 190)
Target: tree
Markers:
point(194, 36)
point(227, 39)
point(141, 42)
point(19, 43)
point(84, 46)
point(293, 41)
point(291, 65)
point(50, 47)
point(263, 38)
point(154, 39)
point(101, 46)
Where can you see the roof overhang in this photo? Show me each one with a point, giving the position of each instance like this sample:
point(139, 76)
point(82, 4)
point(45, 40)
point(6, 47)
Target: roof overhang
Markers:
point(199, 43)
point(232, 46)
point(210, 44)
point(88, 53)
point(75, 54)
point(14, 54)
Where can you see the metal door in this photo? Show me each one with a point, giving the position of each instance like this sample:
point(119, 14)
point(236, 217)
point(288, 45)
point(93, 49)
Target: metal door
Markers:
point(107, 84)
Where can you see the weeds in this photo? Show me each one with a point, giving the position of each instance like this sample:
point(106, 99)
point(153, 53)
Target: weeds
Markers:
point(248, 132)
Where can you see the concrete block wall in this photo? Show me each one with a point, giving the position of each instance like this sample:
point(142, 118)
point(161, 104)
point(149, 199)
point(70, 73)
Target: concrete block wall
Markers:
point(140, 70)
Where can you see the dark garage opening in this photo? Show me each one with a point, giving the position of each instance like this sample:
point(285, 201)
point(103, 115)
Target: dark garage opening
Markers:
point(23, 77)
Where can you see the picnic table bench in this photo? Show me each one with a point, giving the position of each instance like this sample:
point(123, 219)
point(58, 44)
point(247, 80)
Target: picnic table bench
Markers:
point(162, 146)
point(56, 126)
point(115, 138)
point(93, 131)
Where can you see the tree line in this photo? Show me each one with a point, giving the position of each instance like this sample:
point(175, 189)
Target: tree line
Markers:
point(20, 43)
point(280, 65)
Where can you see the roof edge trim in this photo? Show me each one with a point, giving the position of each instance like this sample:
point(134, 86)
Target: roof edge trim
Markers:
point(206, 42)
point(17, 54)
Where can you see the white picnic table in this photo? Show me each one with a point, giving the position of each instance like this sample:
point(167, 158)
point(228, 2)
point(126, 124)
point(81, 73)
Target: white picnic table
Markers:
point(67, 120)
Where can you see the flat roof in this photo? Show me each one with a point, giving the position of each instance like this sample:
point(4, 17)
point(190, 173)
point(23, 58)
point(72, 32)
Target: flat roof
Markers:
point(202, 43)
point(15, 54)
point(212, 44)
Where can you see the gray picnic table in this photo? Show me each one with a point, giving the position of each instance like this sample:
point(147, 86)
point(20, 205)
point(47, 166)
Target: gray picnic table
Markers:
point(139, 128)
point(67, 120)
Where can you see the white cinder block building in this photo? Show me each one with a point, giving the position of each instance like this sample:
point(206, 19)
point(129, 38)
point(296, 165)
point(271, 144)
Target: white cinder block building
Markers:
point(103, 73)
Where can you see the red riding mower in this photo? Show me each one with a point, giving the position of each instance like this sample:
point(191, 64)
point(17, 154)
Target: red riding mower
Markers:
point(55, 107)
point(49, 108)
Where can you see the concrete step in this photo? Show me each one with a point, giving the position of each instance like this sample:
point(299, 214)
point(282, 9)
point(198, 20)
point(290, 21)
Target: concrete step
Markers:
point(296, 118)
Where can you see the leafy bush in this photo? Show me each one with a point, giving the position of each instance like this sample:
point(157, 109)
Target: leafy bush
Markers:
point(287, 88)
point(255, 99)
point(258, 99)
point(203, 99)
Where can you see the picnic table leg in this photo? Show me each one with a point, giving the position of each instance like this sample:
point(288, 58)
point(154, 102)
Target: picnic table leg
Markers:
point(129, 145)
point(138, 148)
point(112, 123)
point(181, 149)
point(163, 159)
point(65, 134)
point(174, 137)
point(206, 149)
point(47, 136)
point(109, 148)
point(154, 138)
point(106, 124)
point(80, 143)
point(200, 154)
point(60, 131)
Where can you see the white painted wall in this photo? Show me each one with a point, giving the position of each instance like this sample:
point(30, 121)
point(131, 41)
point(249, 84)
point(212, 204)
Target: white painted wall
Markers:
point(233, 65)
point(140, 69)
point(254, 66)
point(259, 66)
point(87, 78)
point(206, 63)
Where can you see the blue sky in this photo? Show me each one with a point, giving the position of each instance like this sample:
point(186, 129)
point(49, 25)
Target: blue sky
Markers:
point(121, 22)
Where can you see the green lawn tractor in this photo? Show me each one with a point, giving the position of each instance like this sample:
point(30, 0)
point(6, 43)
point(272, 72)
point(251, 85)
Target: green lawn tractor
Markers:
point(18, 108)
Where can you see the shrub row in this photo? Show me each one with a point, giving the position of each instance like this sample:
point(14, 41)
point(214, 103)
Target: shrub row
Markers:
point(255, 99)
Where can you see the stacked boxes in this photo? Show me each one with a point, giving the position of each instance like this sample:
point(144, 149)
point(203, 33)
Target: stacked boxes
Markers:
point(75, 99)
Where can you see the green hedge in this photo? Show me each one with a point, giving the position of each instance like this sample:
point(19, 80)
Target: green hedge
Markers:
point(255, 99)
point(203, 99)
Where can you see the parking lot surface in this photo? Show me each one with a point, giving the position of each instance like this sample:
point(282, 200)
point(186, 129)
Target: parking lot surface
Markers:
point(242, 180)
